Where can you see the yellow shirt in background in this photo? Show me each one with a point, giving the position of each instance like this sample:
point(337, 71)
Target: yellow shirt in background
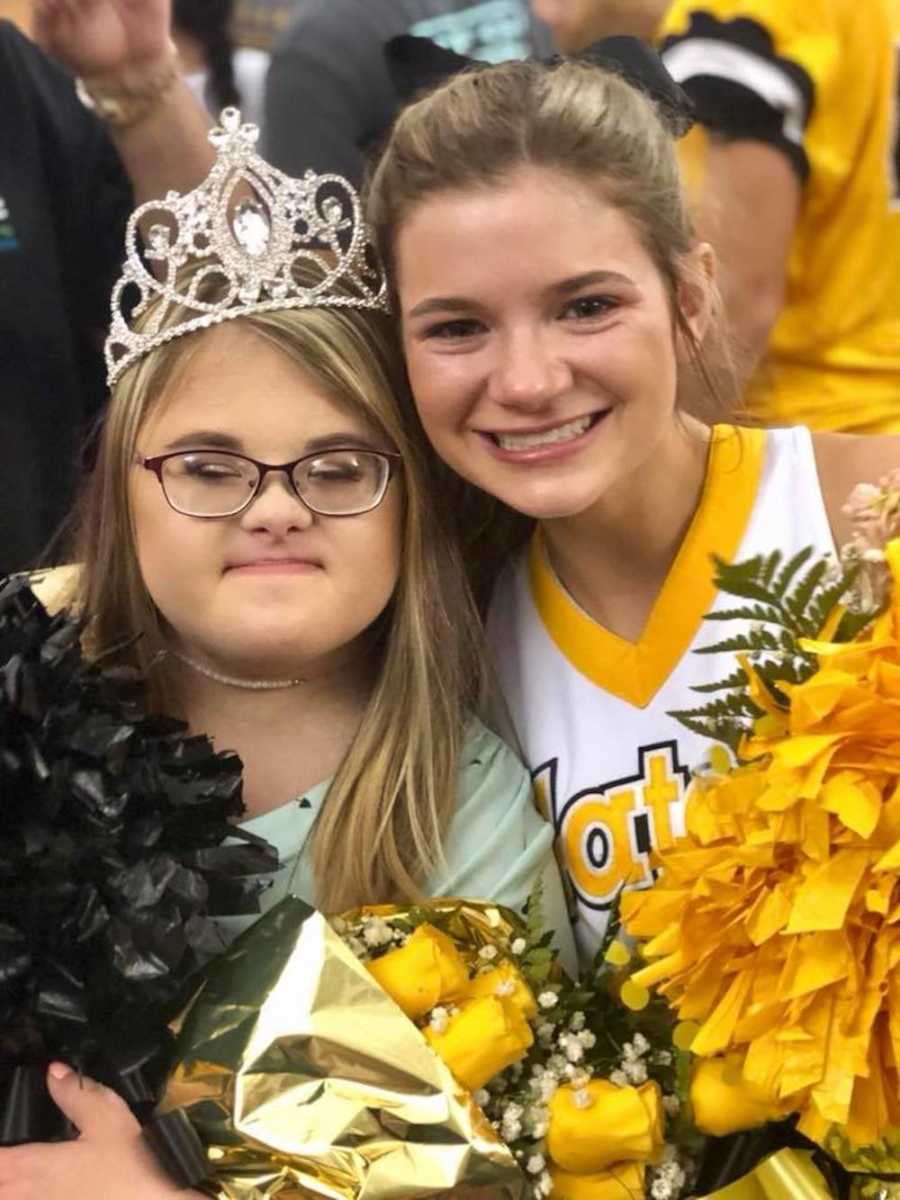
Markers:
point(818, 78)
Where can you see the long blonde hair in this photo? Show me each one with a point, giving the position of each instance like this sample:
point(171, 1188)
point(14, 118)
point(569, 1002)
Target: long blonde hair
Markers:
point(381, 828)
point(577, 118)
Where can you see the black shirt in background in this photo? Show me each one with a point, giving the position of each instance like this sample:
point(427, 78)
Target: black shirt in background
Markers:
point(64, 201)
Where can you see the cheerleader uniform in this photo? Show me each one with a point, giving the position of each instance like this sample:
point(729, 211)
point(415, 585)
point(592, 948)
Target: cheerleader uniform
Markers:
point(592, 711)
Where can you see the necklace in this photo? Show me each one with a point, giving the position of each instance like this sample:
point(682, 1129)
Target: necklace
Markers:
point(253, 685)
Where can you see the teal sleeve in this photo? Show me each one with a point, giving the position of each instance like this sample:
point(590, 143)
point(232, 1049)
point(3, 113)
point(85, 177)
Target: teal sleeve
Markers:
point(498, 844)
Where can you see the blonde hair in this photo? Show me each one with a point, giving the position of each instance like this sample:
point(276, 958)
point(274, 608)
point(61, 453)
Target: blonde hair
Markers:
point(381, 828)
point(570, 116)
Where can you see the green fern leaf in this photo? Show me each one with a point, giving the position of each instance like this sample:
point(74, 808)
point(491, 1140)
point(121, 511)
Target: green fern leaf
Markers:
point(737, 679)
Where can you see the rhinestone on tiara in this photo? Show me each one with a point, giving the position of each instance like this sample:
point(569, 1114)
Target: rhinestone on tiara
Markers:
point(246, 231)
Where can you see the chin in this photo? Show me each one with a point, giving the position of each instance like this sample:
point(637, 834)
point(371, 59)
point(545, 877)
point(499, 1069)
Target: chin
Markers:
point(550, 503)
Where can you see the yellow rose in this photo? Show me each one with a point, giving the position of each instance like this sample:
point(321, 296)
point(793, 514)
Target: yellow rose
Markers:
point(619, 1123)
point(725, 1103)
point(481, 1040)
point(512, 984)
point(623, 1181)
point(425, 972)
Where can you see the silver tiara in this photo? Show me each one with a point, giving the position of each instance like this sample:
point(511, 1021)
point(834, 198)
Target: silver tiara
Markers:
point(240, 236)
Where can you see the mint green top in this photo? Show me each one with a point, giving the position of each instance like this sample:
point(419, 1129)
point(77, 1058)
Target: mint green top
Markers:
point(496, 848)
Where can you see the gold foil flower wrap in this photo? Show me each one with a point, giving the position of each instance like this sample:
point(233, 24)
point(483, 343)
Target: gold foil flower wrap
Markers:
point(303, 1078)
point(593, 1127)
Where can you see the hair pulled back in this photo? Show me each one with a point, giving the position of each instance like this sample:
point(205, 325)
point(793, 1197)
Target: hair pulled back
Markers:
point(570, 116)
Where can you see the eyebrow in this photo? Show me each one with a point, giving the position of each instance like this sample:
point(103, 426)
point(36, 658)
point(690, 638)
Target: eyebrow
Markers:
point(215, 439)
point(564, 287)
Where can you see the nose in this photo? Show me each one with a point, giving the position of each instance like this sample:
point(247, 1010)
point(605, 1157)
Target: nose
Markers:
point(529, 372)
point(276, 508)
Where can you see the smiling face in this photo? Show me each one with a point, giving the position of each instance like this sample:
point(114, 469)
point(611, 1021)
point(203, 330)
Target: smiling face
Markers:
point(276, 590)
point(539, 339)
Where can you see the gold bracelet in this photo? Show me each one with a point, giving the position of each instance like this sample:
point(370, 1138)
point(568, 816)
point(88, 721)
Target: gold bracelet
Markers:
point(123, 106)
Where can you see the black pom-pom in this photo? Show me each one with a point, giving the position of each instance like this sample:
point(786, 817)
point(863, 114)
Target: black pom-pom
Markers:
point(113, 863)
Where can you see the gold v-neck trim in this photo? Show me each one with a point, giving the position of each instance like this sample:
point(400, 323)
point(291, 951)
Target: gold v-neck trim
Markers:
point(635, 671)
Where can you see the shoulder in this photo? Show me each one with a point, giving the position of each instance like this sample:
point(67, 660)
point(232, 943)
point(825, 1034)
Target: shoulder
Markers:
point(21, 58)
point(14, 44)
point(496, 791)
point(843, 460)
point(487, 757)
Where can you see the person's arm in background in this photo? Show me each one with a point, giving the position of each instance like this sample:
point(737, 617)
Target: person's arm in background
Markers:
point(747, 209)
point(123, 46)
point(747, 165)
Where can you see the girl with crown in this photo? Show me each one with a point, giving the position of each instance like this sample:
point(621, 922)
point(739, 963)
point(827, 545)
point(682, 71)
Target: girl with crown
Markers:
point(560, 325)
point(258, 537)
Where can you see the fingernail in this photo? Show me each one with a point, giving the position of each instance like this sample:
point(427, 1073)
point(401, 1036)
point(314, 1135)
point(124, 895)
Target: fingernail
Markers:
point(59, 1070)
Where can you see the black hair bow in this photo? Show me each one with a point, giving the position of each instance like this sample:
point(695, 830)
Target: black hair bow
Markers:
point(417, 64)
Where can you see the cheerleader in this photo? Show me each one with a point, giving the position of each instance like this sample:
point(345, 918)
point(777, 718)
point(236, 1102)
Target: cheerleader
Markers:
point(560, 326)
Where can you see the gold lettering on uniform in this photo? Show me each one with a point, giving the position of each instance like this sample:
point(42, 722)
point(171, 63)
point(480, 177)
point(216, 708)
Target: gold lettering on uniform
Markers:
point(607, 835)
point(597, 843)
point(659, 792)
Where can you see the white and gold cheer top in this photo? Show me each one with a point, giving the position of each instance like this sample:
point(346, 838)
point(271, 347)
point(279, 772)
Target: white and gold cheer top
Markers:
point(611, 766)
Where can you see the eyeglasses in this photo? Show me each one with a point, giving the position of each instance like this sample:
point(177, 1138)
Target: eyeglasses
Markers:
point(343, 482)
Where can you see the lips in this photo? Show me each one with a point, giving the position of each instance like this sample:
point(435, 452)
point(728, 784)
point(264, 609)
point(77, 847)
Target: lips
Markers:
point(545, 437)
point(275, 564)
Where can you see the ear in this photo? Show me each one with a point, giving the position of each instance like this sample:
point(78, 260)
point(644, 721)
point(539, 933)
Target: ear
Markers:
point(697, 289)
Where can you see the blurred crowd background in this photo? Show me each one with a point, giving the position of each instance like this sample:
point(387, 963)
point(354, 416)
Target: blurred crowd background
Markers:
point(793, 168)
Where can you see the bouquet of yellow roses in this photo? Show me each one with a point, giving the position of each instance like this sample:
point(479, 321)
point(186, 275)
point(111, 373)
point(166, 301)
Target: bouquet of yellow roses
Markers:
point(775, 927)
point(421, 1051)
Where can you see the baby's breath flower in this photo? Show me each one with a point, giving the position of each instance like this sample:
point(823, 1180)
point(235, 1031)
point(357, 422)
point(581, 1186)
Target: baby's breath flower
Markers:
point(573, 1049)
point(439, 1019)
point(519, 945)
point(546, 1032)
point(581, 1098)
point(548, 999)
point(377, 932)
point(544, 1185)
point(482, 1097)
point(671, 1104)
point(488, 953)
point(635, 1072)
point(506, 987)
point(540, 1126)
point(535, 1164)
point(619, 1078)
point(587, 1039)
point(577, 1021)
